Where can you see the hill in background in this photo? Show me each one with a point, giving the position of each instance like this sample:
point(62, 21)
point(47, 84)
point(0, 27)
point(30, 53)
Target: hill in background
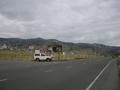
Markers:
point(67, 46)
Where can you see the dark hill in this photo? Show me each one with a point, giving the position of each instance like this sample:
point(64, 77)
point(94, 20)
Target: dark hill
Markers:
point(67, 46)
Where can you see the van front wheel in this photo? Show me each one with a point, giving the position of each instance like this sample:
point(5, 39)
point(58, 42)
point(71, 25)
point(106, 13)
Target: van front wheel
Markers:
point(37, 59)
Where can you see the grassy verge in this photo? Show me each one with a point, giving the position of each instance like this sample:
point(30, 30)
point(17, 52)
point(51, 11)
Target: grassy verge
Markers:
point(28, 55)
point(16, 55)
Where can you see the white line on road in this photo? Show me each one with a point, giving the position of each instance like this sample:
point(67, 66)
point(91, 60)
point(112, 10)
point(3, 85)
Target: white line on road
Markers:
point(3, 80)
point(93, 82)
point(47, 71)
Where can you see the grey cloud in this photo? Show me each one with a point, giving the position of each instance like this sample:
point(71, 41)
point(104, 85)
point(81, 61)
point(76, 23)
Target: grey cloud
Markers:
point(92, 21)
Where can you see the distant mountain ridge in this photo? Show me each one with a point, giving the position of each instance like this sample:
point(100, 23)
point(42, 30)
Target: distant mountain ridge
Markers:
point(67, 46)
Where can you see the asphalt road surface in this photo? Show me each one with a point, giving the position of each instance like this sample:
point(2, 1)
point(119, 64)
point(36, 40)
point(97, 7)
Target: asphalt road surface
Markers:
point(70, 75)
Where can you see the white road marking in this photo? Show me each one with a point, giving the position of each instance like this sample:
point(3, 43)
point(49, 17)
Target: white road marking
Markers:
point(47, 71)
point(3, 80)
point(93, 82)
point(68, 67)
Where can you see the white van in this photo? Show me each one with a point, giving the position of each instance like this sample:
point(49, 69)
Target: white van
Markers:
point(38, 56)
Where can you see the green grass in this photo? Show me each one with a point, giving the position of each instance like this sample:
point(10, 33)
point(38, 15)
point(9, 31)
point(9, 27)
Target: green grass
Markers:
point(16, 55)
point(28, 55)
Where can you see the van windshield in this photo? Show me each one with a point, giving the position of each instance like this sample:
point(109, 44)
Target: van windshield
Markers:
point(37, 54)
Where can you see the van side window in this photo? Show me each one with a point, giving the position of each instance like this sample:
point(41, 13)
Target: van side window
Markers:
point(37, 54)
point(42, 54)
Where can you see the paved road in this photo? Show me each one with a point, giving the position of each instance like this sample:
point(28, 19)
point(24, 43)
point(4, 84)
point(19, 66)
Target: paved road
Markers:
point(71, 75)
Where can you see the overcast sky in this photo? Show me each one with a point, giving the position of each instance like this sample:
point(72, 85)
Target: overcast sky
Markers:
point(84, 21)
